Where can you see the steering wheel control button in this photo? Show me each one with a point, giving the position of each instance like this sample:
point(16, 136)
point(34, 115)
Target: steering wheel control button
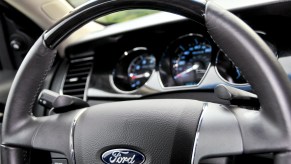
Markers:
point(59, 161)
point(122, 156)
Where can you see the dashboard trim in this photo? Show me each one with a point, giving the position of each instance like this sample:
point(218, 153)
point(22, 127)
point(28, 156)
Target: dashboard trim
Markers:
point(209, 82)
point(72, 132)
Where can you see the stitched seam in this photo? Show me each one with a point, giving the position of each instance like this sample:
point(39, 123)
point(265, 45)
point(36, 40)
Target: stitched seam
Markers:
point(35, 133)
point(40, 84)
point(221, 49)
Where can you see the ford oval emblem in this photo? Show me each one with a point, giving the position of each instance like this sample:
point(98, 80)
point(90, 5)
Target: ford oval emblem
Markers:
point(122, 156)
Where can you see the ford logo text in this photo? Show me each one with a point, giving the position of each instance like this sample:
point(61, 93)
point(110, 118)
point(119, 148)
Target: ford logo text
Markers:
point(122, 156)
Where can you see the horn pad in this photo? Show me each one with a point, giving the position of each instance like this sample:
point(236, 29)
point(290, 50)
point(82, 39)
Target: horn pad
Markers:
point(162, 130)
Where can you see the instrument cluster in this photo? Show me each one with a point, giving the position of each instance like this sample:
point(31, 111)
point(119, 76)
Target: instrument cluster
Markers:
point(184, 63)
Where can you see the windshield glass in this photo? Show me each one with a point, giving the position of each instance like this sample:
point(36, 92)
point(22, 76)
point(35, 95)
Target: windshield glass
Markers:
point(133, 14)
point(117, 17)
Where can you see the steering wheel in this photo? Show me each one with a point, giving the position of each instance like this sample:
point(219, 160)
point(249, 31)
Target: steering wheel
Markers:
point(153, 131)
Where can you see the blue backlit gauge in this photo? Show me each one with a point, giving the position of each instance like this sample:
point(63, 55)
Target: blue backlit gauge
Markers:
point(134, 69)
point(140, 70)
point(190, 59)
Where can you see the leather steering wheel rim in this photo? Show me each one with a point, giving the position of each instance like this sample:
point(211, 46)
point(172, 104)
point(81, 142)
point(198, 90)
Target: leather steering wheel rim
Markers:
point(264, 131)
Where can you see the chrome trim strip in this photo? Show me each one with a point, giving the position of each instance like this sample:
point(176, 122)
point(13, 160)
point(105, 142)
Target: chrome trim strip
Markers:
point(72, 132)
point(204, 107)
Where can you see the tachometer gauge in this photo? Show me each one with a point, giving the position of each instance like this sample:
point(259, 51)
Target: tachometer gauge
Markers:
point(190, 59)
point(134, 69)
point(140, 70)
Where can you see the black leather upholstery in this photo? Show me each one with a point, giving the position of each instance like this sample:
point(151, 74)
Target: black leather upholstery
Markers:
point(24, 92)
point(266, 76)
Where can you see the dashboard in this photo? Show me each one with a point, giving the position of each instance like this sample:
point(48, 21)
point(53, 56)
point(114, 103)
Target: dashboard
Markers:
point(129, 61)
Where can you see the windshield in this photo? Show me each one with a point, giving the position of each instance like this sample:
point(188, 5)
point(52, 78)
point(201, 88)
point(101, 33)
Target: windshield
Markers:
point(123, 16)
point(117, 17)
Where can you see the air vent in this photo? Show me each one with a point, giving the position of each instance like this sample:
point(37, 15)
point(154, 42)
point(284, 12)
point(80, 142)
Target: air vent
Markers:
point(78, 74)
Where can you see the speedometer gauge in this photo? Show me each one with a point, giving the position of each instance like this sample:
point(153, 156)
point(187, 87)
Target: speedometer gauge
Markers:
point(190, 59)
point(134, 69)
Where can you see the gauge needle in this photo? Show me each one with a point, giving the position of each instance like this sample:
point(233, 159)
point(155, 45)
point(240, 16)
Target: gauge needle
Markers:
point(194, 67)
point(133, 77)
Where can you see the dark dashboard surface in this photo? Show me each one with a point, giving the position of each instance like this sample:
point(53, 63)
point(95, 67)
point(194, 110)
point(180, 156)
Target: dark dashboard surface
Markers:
point(163, 60)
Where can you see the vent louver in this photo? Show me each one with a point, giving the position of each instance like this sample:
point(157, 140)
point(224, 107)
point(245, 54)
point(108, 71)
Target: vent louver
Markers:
point(78, 74)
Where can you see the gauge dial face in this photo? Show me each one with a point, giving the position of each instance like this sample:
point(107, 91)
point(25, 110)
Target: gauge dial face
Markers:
point(140, 70)
point(134, 69)
point(190, 59)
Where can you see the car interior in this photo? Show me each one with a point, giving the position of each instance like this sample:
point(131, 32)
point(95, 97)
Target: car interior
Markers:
point(145, 81)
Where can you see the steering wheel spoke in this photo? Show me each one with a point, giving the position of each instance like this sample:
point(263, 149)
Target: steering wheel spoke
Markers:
point(231, 130)
point(218, 133)
point(51, 133)
point(55, 133)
